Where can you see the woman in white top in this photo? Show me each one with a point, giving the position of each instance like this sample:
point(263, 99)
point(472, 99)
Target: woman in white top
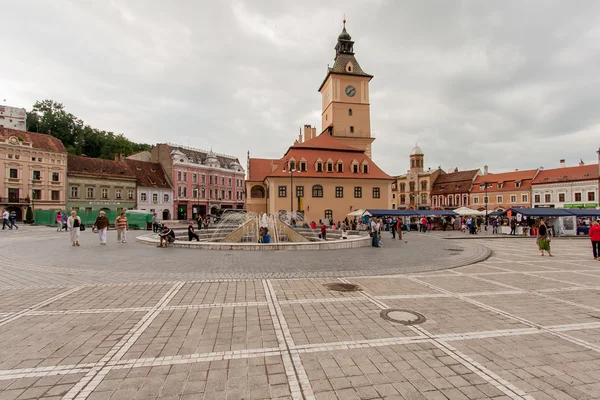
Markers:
point(73, 224)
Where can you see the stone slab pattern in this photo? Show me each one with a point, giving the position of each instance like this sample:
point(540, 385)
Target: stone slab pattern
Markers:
point(512, 327)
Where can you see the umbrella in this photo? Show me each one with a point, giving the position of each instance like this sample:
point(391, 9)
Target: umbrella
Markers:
point(356, 213)
point(463, 211)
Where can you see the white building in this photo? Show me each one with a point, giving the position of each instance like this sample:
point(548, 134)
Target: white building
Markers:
point(154, 191)
point(566, 187)
point(13, 118)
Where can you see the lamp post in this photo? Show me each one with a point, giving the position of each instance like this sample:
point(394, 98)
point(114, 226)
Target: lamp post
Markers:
point(486, 204)
point(291, 168)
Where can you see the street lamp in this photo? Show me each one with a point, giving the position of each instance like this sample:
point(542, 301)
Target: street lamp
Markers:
point(291, 167)
point(486, 204)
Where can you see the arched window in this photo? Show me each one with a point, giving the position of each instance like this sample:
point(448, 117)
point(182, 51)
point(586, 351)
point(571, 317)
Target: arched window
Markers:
point(349, 112)
point(423, 185)
point(317, 191)
point(411, 186)
point(257, 192)
point(328, 216)
point(403, 187)
point(412, 163)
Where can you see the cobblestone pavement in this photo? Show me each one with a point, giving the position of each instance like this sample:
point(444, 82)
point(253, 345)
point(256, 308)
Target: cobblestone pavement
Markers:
point(107, 326)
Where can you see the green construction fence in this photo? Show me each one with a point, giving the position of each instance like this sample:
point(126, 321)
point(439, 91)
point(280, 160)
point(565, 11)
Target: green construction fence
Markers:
point(136, 219)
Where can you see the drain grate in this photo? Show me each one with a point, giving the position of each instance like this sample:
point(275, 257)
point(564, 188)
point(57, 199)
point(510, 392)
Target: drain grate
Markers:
point(404, 317)
point(342, 287)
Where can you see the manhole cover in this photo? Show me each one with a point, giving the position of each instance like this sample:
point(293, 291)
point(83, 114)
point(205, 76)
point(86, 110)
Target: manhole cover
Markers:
point(342, 287)
point(404, 317)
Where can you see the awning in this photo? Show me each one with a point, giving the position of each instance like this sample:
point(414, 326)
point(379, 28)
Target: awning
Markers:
point(356, 213)
point(391, 213)
point(463, 211)
point(543, 212)
point(585, 212)
point(496, 213)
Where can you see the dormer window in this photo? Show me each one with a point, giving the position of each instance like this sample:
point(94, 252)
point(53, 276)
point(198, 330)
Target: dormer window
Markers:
point(500, 185)
point(349, 67)
point(303, 166)
point(355, 168)
point(518, 184)
point(340, 167)
point(329, 167)
point(319, 167)
point(365, 169)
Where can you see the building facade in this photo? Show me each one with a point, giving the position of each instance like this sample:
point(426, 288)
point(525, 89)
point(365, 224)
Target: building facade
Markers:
point(345, 98)
point(13, 118)
point(328, 180)
point(96, 184)
point(566, 187)
point(154, 193)
point(452, 190)
point(203, 182)
point(413, 189)
point(329, 175)
point(504, 190)
point(34, 173)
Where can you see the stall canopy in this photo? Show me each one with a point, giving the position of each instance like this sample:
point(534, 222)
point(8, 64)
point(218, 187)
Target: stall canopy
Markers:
point(542, 212)
point(496, 213)
point(409, 213)
point(356, 213)
point(585, 212)
point(463, 211)
point(391, 213)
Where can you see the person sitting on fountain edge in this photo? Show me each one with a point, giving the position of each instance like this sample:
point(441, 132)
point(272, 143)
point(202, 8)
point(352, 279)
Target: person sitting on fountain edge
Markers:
point(267, 236)
point(167, 235)
point(191, 233)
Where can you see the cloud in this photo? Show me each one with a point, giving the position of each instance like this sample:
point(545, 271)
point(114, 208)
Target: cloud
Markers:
point(513, 85)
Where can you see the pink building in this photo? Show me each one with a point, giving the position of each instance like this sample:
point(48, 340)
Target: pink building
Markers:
point(203, 182)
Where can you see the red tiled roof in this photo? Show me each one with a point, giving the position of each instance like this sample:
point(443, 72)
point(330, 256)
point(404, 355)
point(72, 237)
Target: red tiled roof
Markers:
point(98, 167)
point(568, 174)
point(259, 168)
point(148, 174)
point(508, 180)
point(322, 147)
point(454, 182)
point(324, 142)
point(38, 140)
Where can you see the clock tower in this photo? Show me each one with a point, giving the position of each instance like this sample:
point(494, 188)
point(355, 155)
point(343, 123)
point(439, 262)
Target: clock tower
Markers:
point(345, 98)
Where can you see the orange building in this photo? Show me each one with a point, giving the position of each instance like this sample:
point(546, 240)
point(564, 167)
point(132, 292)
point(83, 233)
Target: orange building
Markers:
point(329, 179)
point(332, 174)
point(504, 190)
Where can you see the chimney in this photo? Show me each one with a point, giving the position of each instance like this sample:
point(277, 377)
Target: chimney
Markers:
point(300, 136)
point(581, 163)
point(309, 132)
point(562, 164)
point(485, 169)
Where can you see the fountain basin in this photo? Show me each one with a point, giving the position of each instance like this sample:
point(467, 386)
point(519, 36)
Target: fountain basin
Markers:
point(352, 242)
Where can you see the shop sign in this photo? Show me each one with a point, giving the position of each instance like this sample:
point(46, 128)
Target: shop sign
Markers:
point(581, 205)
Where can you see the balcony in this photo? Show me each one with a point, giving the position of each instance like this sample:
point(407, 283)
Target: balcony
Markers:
point(15, 200)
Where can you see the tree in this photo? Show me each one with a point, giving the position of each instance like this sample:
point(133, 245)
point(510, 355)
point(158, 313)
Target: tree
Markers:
point(29, 215)
point(50, 117)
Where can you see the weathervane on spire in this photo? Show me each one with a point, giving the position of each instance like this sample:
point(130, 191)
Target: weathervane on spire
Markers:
point(344, 20)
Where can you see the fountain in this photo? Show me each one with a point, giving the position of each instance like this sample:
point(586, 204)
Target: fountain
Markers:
point(241, 231)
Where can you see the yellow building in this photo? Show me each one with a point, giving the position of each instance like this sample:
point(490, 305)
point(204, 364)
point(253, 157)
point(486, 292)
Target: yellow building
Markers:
point(412, 190)
point(332, 174)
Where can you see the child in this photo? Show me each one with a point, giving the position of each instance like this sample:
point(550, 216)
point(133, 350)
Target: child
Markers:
point(344, 232)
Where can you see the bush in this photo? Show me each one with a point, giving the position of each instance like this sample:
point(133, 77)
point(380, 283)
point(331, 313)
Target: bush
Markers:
point(29, 215)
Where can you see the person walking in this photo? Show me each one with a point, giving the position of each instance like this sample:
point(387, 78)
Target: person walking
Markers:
point(155, 227)
point(101, 224)
point(495, 226)
point(393, 228)
point(323, 231)
point(191, 233)
point(199, 221)
point(543, 240)
point(595, 238)
point(13, 220)
point(58, 222)
point(73, 226)
point(122, 225)
point(374, 232)
point(64, 221)
point(5, 221)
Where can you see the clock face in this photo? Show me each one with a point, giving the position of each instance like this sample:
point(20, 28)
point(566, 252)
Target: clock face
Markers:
point(350, 91)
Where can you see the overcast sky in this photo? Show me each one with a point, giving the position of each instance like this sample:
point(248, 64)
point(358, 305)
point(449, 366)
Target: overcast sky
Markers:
point(511, 84)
